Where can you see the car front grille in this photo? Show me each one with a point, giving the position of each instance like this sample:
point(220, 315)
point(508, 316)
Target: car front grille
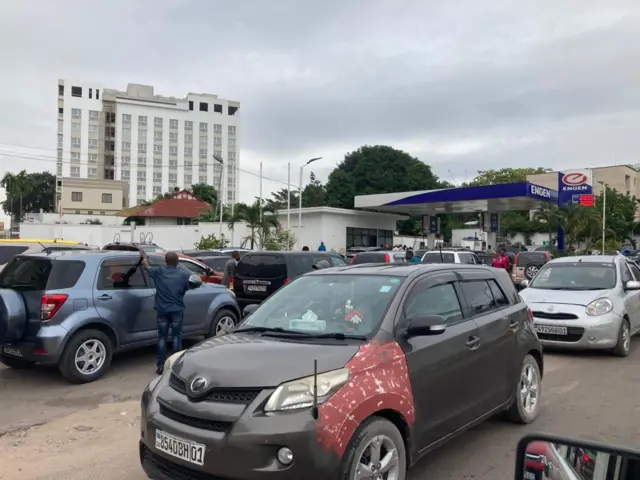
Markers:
point(573, 335)
point(555, 316)
point(222, 395)
point(159, 467)
point(203, 423)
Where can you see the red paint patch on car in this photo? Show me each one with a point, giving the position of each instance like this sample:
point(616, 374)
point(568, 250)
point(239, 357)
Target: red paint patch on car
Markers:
point(379, 381)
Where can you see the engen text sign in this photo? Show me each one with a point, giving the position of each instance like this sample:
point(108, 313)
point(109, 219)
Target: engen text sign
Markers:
point(572, 184)
point(541, 193)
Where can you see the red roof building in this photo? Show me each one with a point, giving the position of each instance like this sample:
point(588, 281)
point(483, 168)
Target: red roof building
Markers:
point(182, 206)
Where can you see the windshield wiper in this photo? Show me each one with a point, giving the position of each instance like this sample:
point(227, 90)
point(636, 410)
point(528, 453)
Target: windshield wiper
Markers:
point(270, 330)
point(338, 336)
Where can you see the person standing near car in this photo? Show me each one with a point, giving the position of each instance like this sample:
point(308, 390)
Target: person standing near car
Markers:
point(171, 284)
point(230, 269)
point(322, 247)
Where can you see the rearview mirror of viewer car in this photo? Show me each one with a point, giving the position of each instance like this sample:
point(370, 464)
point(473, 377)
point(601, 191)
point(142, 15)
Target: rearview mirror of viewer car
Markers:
point(426, 325)
point(249, 309)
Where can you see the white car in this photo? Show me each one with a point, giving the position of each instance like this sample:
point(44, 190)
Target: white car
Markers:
point(451, 256)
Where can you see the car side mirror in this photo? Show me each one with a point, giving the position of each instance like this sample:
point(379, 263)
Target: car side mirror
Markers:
point(524, 283)
point(426, 325)
point(208, 272)
point(632, 285)
point(194, 281)
point(249, 309)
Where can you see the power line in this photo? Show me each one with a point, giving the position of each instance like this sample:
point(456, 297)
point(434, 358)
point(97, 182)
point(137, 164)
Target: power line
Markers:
point(55, 159)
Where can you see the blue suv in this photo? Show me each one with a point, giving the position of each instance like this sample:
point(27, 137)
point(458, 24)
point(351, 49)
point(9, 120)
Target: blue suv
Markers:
point(76, 309)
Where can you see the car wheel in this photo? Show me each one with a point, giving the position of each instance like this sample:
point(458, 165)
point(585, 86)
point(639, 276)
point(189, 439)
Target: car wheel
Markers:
point(16, 363)
point(527, 396)
point(376, 450)
point(623, 346)
point(86, 357)
point(531, 271)
point(223, 322)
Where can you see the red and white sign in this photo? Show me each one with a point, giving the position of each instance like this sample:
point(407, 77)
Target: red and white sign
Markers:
point(576, 178)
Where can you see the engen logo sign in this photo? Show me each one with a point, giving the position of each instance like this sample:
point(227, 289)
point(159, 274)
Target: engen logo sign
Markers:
point(572, 184)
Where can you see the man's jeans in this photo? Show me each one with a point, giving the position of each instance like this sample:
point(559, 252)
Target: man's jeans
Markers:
point(168, 320)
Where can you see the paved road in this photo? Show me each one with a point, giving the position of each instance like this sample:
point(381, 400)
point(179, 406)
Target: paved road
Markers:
point(85, 431)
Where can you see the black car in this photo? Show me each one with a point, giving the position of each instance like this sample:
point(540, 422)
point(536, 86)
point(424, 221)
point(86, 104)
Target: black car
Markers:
point(259, 274)
point(345, 373)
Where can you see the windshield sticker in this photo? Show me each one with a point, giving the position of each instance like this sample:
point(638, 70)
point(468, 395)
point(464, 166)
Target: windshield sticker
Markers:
point(308, 325)
point(394, 280)
point(385, 289)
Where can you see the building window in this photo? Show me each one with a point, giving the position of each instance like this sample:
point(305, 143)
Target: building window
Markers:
point(126, 146)
point(157, 121)
point(217, 128)
point(61, 90)
point(204, 107)
point(203, 126)
point(202, 167)
point(173, 164)
point(188, 164)
point(142, 175)
point(142, 162)
point(231, 155)
point(142, 120)
point(76, 113)
point(107, 198)
point(93, 144)
point(142, 147)
point(76, 156)
point(232, 129)
point(125, 175)
point(188, 151)
point(126, 160)
point(173, 124)
point(217, 141)
point(75, 142)
point(157, 190)
point(60, 140)
point(75, 127)
point(157, 176)
point(142, 188)
point(232, 142)
point(94, 115)
point(191, 105)
point(76, 196)
point(173, 177)
point(203, 153)
point(126, 131)
point(93, 158)
point(368, 237)
point(188, 125)
point(142, 136)
point(157, 149)
point(202, 179)
point(173, 150)
point(188, 138)
point(217, 108)
point(187, 178)
point(92, 171)
point(75, 171)
point(93, 128)
point(173, 137)
point(76, 91)
point(157, 162)
point(204, 140)
point(126, 118)
point(157, 135)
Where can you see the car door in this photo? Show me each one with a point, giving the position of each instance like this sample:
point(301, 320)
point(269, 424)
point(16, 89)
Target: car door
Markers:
point(439, 366)
point(498, 324)
point(197, 269)
point(124, 298)
point(633, 299)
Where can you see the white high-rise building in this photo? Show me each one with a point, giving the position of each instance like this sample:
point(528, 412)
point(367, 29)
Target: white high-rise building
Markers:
point(156, 143)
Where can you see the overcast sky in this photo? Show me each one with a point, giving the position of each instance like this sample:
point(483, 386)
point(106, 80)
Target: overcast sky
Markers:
point(463, 85)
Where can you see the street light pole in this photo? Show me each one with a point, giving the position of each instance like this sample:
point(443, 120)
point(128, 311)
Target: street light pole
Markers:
point(221, 162)
point(604, 215)
point(300, 197)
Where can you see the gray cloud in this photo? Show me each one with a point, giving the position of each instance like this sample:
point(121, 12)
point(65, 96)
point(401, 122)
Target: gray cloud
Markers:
point(462, 85)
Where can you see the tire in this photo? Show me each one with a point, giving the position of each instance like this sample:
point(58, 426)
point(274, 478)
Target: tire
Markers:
point(623, 347)
point(15, 363)
point(371, 430)
point(78, 343)
point(531, 270)
point(518, 412)
point(220, 323)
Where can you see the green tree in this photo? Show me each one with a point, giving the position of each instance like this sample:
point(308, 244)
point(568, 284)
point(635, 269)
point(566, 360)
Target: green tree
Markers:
point(280, 239)
point(211, 242)
point(260, 219)
point(620, 213)
point(204, 192)
point(376, 169)
point(28, 192)
point(313, 195)
point(505, 175)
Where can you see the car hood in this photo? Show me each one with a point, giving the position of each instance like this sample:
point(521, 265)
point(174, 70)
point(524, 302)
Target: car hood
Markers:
point(252, 360)
point(564, 297)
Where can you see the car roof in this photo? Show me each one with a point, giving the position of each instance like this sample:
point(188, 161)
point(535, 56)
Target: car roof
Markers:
point(70, 254)
point(586, 259)
point(396, 269)
point(286, 252)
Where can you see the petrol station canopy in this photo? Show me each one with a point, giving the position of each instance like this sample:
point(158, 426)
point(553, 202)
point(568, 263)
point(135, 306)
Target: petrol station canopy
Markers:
point(486, 198)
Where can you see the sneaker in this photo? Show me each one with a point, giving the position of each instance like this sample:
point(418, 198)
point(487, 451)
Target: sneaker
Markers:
point(160, 370)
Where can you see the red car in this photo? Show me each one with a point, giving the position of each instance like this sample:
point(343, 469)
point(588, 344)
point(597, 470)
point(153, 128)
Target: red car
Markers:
point(196, 267)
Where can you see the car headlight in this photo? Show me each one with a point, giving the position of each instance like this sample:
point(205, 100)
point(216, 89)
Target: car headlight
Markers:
point(172, 359)
point(599, 306)
point(299, 393)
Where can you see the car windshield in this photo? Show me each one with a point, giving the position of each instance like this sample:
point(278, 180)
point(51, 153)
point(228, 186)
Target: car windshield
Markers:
point(575, 276)
point(328, 304)
point(439, 257)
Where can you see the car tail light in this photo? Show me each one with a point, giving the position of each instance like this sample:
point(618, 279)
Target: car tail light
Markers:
point(353, 259)
point(516, 260)
point(547, 256)
point(287, 281)
point(387, 258)
point(50, 304)
point(231, 279)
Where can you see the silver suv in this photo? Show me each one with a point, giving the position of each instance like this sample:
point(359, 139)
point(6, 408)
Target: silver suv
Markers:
point(76, 309)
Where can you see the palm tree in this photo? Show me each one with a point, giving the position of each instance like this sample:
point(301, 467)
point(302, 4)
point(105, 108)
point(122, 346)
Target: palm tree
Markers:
point(16, 186)
point(551, 216)
point(253, 215)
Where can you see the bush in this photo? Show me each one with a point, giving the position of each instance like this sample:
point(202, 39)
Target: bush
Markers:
point(211, 243)
point(280, 240)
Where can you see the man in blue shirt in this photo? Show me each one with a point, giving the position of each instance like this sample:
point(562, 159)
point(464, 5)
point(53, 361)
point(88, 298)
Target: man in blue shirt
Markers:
point(322, 247)
point(171, 284)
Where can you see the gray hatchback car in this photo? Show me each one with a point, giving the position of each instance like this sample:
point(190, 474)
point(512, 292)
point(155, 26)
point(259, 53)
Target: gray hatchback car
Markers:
point(76, 309)
point(348, 372)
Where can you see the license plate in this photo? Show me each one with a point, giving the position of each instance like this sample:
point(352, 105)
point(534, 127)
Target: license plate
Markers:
point(551, 330)
point(529, 476)
point(186, 450)
point(256, 288)
point(16, 352)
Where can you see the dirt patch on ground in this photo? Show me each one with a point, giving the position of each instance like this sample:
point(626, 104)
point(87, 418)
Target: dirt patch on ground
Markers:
point(94, 440)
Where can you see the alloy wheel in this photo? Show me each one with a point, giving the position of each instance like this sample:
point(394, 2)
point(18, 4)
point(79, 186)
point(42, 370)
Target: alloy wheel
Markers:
point(379, 460)
point(225, 325)
point(532, 271)
point(90, 356)
point(626, 337)
point(529, 388)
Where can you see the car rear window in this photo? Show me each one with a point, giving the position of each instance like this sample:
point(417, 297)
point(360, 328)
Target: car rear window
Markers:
point(525, 258)
point(262, 266)
point(215, 263)
point(301, 264)
point(36, 274)
point(370, 257)
point(437, 257)
point(7, 252)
